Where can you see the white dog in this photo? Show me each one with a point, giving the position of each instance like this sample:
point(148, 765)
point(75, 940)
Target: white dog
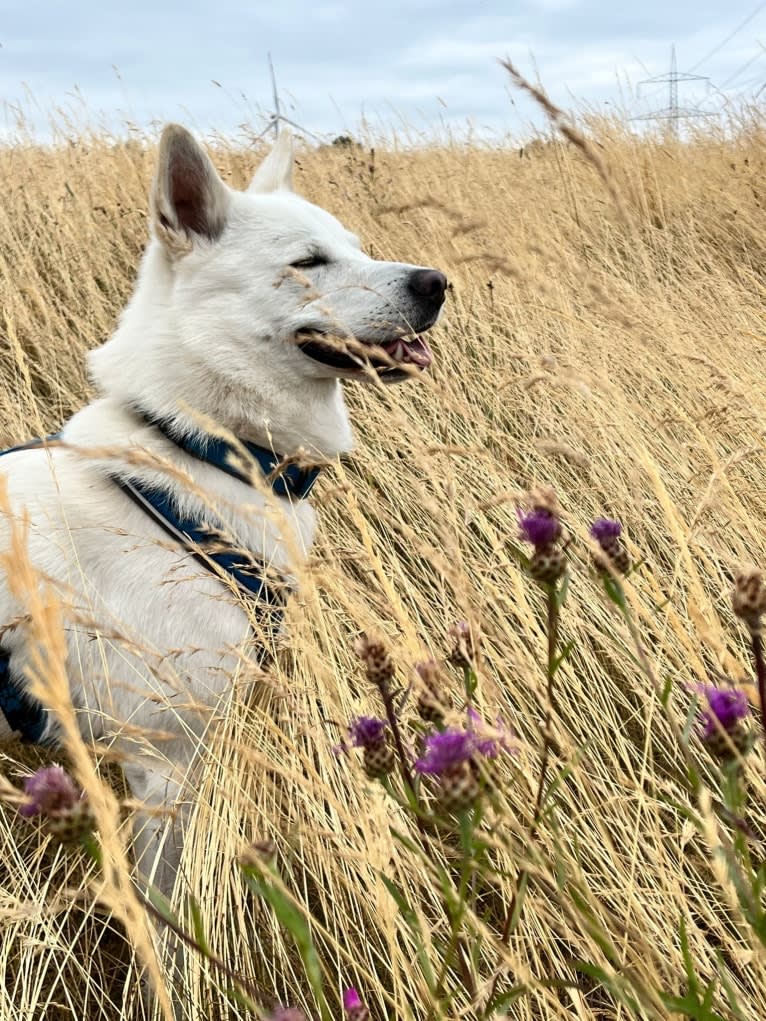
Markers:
point(249, 308)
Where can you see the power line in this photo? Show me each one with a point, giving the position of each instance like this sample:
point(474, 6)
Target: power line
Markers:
point(730, 36)
point(742, 87)
point(739, 71)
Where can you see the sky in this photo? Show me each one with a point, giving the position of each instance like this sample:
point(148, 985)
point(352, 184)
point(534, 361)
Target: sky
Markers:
point(428, 64)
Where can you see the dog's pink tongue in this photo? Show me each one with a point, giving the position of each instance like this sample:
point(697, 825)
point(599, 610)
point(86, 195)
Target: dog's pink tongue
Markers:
point(412, 351)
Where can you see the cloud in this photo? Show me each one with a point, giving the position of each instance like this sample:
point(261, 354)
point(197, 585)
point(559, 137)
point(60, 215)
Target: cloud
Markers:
point(432, 62)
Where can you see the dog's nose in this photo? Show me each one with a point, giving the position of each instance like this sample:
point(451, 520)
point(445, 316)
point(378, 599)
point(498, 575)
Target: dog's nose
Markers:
point(428, 283)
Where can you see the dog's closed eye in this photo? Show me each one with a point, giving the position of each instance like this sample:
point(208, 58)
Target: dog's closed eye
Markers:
point(310, 261)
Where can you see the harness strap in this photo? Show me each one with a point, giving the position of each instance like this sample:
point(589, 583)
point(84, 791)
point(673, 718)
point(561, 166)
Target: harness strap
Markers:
point(286, 478)
point(196, 540)
point(22, 714)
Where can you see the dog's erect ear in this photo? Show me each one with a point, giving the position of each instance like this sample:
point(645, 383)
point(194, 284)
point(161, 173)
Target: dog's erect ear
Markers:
point(188, 197)
point(276, 171)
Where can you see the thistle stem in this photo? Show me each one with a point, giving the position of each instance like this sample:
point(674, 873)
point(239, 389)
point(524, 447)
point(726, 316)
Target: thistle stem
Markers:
point(760, 672)
point(250, 989)
point(553, 636)
point(514, 908)
point(388, 702)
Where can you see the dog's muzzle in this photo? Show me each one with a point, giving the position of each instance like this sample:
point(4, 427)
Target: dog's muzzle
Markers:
point(399, 355)
point(393, 358)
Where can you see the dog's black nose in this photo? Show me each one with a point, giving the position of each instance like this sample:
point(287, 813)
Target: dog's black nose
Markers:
point(428, 283)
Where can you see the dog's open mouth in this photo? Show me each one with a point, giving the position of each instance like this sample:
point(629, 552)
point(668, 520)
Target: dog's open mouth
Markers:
point(398, 358)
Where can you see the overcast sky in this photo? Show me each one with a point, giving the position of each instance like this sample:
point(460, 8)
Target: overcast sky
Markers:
point(428, 62)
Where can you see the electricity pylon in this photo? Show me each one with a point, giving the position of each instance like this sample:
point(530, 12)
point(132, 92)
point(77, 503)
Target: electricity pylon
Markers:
point(673, 113)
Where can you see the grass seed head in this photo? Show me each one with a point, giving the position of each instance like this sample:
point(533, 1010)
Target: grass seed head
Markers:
point(543, 498)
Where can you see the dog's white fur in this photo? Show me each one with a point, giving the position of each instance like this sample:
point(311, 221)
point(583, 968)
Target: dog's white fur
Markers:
point(211, 327)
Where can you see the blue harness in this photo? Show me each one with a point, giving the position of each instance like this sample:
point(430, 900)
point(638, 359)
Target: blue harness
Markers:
point(28, 717)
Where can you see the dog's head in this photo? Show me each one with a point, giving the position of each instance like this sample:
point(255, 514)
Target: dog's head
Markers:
point(272, 277)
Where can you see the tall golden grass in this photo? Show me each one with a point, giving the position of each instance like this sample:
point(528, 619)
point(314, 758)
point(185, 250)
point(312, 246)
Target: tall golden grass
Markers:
point(614, 352)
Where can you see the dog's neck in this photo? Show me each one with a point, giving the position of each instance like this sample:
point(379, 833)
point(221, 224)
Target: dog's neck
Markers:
point(145, 363)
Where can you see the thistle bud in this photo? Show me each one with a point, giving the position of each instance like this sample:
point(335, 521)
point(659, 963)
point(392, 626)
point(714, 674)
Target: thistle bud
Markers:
point(541, 527)
point(721, 724)
point(53, 795)
point(260, 853)
point(547, 564)
point(287, 1014)
point(454, 757)
point(458, 788)
point(748, 598)
point(433, 699)
point(465, 647)
point(376, 659)
point(371, 735)
point(607, 534)
point(379, 760)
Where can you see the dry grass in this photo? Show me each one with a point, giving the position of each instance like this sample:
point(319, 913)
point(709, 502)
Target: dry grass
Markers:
point(619, 358)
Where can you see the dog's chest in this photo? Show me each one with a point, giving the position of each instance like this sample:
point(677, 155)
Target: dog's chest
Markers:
point(151, 634)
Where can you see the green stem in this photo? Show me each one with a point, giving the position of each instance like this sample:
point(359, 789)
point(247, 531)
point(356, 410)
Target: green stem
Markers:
point(470, 682)
point(456, 919)
point(696, 786)
point(646, 668)
point(393, 722)
point(251, 991)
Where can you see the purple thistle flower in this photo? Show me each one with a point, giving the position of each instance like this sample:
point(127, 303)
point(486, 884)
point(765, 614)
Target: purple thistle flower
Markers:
point(366, 731)
point(539, 527)
point(461, 631)
point(451, 747)
point(50, 791)
point(287, 1014)
point(352, 1000)
point(445, 750)
point(727, 706)
point(605, 530)
point(489, 742)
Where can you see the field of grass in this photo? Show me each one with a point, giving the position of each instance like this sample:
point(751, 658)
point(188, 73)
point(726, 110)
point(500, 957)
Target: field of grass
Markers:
point(614, 350)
